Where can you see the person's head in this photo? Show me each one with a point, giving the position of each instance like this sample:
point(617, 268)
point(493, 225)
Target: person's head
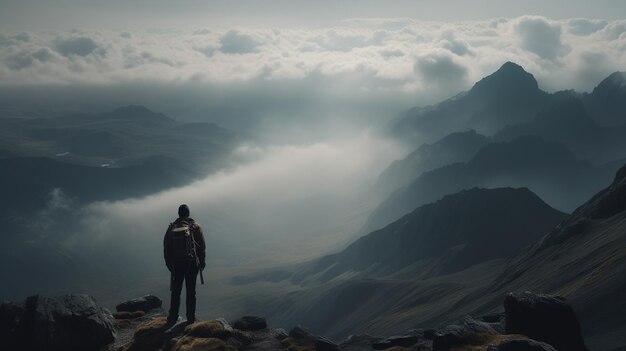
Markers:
point(183, 211)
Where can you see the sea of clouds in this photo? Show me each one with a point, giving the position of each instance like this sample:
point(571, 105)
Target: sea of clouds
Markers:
point(416, 57)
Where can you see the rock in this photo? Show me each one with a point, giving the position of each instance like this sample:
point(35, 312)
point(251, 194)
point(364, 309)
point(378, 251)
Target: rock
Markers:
point(61, 323)
point(403, 341)
point(301, 339)
point(227, 327)
point(478, 327)
point(149, 335)
point(429, 334)
point(522, 345)
point(250, 323)
point(471, 332)
point(144, 303)
point(129, 315)
point(448, 337)
point(270, 344)
point(207, 329)
point(299, 332)
point(544, 318)
point(323, 344)
point(359, 343)
point(495, 321)
point(189, 343)
point(281, 333)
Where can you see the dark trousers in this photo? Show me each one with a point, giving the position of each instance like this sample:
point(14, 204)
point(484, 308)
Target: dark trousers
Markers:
point(184, 271)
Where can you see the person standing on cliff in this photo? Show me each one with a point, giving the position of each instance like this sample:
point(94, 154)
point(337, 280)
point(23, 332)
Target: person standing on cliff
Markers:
point(184, 251)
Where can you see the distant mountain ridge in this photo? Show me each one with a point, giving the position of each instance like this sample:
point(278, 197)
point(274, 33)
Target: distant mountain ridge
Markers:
point(607, 102)
point(121, 137)
point(508, 96)
point(569, 123)
point(453, 148)
point(547, 168)
point(458, 231)
point(388, 269)
point(581, 258)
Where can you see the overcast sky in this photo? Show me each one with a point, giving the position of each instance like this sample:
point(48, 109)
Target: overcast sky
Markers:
point(24, 15)
point(388, 54)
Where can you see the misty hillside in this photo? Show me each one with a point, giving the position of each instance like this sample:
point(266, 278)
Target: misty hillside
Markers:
point(607, 101)
point(421, 253)
point(568, 122)
point(29, 181)
point(508, 96)
point(580, 258)
point(118, 138)
point(453, 148)
point(549, 169)
point(560, 117)
point(452, 234)
point(128, 152)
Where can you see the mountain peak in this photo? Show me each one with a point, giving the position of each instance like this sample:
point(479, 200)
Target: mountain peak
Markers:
point(509, 78)
point(616, 80)
point(508, 65)
point(482, 224)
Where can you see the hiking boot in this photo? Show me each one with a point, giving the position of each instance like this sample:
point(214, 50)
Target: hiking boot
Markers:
point(171, 321)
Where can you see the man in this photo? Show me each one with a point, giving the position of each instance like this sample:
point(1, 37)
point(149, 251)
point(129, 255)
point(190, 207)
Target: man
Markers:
point(184, 250)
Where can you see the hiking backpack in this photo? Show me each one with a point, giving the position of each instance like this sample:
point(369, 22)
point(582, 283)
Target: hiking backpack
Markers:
point(182, 241)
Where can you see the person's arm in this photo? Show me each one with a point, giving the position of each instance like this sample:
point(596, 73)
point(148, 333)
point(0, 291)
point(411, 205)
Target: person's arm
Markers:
point(167, 249)
point(200, 245)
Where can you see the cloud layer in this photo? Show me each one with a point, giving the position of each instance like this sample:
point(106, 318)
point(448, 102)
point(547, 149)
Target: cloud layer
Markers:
point(435, 58)
point(284, 199)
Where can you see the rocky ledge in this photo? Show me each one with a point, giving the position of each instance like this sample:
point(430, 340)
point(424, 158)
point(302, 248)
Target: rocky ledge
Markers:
point(75, 322)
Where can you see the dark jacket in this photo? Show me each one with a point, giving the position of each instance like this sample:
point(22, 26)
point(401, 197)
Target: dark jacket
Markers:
point(196, 231)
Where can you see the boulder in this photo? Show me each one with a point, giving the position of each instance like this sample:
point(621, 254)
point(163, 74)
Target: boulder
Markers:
point(495, 321)
point(544, 318)
point(250, 323)
point(208, 329)
point(522, 345)
point(302, 339)
point(189, 343)
point(470, 332)
point(448, 337)
point(68, 322)
point(402, 341)
point(144, 303)
point(271, 344)
point(323, 344)
point(129, 315)
point(359, 343)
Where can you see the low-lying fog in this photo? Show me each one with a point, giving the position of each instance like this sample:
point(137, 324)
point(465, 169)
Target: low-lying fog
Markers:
point(284, 203)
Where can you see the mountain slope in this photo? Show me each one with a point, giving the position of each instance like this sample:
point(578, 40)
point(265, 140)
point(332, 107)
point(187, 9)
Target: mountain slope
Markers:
point(123, 137)
point(128, 152)
point(607, 101)
point(582, 259)
point(454, 233)
point(547, 168)
point(568, 122)
point(417, 266)
point(508, 96)
point(453, 148)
